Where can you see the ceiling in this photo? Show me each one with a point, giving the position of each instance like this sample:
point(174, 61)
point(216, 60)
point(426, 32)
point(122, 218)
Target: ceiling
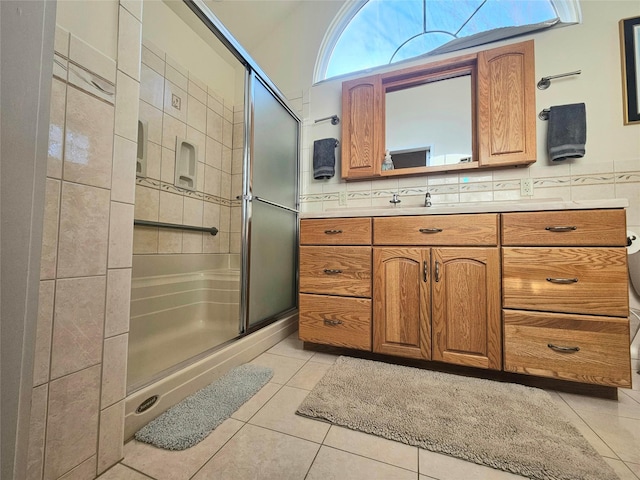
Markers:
point(250, 21)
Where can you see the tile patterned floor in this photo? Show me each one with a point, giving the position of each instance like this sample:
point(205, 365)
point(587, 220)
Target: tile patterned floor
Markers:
point(265, 440)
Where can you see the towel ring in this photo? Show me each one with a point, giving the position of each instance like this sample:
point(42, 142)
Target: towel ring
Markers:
point(544, 114)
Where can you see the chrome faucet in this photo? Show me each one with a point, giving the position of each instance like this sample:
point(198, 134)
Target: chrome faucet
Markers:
point(427, 200)
point(396, 199)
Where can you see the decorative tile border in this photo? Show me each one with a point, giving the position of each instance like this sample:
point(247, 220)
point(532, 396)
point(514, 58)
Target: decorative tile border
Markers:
point(472, 187)
point(168, 187)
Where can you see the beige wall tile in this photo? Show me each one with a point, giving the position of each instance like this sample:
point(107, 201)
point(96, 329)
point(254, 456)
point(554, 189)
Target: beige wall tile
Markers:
point(129, 43)
point(176, 74)
point(200, 177)
point(211, 215)
point(88, 150)
point(120, 235)
point(236, 185)
point(153, 61)
point(630, 191)
point(153, 117)
point(235, 242)
point(78, 324)
point(197, 114)
point(211, 244)
point(193, 211)
point(225, 218)
point(114, 370)
point(226, 159)
point(154, 160)
point(123, 177)
point(197, 89)
point(61, 41)
point(85, 471)
point(172, 128)
point(127, 99)
point(223, 242)
point(212, 180)
point(72, 421)
point(43, 332)
point(145, 240)
point(199, 140)
point(173, 93)
point(147, 203)
point(111, 446)
point(37, 429)
point(151, 86)
point(213, 156)
point(192, 242)
point(83, 54)
point(227, 134)
point(235, 221)
point(214, 125)
point(171, 207)
point(168, 167)
point(225, 185)
point(118, 302)
point(134, 7)
point(169, 241)
point(237, 159)
point(84, 228)
point(56, 128)
point(49, 252)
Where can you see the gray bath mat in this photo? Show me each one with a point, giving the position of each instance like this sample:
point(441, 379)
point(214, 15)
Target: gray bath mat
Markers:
point(501, 425)
point(190, 421)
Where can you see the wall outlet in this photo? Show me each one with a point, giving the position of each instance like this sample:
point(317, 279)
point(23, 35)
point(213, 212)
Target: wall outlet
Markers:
point(342, 199)
point(526, 187)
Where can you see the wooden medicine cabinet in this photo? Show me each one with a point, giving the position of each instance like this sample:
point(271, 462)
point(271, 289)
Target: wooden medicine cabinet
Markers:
point(468, 112)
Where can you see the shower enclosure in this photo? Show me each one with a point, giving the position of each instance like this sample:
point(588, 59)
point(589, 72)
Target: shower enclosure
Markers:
point(216, 195)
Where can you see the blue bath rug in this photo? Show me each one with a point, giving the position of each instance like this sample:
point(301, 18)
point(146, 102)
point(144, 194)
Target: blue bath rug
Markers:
point(190, 421)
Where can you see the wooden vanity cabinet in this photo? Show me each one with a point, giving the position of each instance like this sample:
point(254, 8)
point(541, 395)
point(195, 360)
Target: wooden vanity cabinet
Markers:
point(565, 295)
point(335, 282)
point(438, 303)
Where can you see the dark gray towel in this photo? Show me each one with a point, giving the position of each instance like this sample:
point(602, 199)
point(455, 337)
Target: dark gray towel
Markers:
point(567, 133)
point(324, 158)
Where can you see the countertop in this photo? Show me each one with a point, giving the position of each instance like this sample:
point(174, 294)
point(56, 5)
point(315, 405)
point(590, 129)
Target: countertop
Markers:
point(476, 207)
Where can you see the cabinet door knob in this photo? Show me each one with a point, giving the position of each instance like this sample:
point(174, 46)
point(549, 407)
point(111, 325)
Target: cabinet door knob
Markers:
point(331, 271)
point(430, 230)
point(562, 280)
point(332, 232)
point(332, 323)
point(560, 348)
point(561, 228)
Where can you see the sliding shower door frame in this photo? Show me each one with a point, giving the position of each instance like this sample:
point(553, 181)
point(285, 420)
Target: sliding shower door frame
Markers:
point(253, 73)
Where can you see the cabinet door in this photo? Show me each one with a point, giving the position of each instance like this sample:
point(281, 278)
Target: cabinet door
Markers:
point(506, 102)
point(401, 324)
point(362, 127)
point(466, 306)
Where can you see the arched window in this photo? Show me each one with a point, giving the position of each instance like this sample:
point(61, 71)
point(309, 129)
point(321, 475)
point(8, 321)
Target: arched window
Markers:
point(371, 33)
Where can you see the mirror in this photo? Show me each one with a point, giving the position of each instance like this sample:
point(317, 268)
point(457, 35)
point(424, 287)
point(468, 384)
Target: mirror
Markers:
point(430, 124)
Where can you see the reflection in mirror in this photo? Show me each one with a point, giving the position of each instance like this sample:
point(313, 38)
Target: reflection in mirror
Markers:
point(430, 124)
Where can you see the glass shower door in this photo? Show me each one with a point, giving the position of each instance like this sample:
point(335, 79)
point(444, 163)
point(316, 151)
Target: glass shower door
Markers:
point(271, 191)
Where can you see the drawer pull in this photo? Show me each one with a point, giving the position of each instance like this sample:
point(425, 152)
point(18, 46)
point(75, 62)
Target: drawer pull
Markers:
point(332, 232)
point(331, 271)
point(332, 323)
point(562, 280)
point(561, 228)
point(559, 348)
point(430, 230)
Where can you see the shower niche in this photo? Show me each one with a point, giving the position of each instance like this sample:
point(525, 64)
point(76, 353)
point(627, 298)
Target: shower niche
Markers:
point(186, 164)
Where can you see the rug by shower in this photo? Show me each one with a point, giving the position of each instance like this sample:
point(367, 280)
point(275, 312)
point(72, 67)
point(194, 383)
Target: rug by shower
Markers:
point(190, 421)
point(506, 426)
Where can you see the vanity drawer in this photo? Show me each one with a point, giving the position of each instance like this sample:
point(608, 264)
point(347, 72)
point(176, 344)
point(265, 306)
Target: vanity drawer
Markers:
point(336, 270)
point(580, 348)
point(337, 321)
point(335, 231)
point(572, 280)
point(565, 228)
point(475, 229)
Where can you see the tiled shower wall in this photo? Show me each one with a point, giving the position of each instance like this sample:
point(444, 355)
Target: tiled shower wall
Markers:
point(77, 416)
point(174, 103)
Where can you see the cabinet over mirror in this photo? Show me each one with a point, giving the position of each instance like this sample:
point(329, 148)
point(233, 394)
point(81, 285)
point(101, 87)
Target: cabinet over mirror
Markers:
point(468, 112)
